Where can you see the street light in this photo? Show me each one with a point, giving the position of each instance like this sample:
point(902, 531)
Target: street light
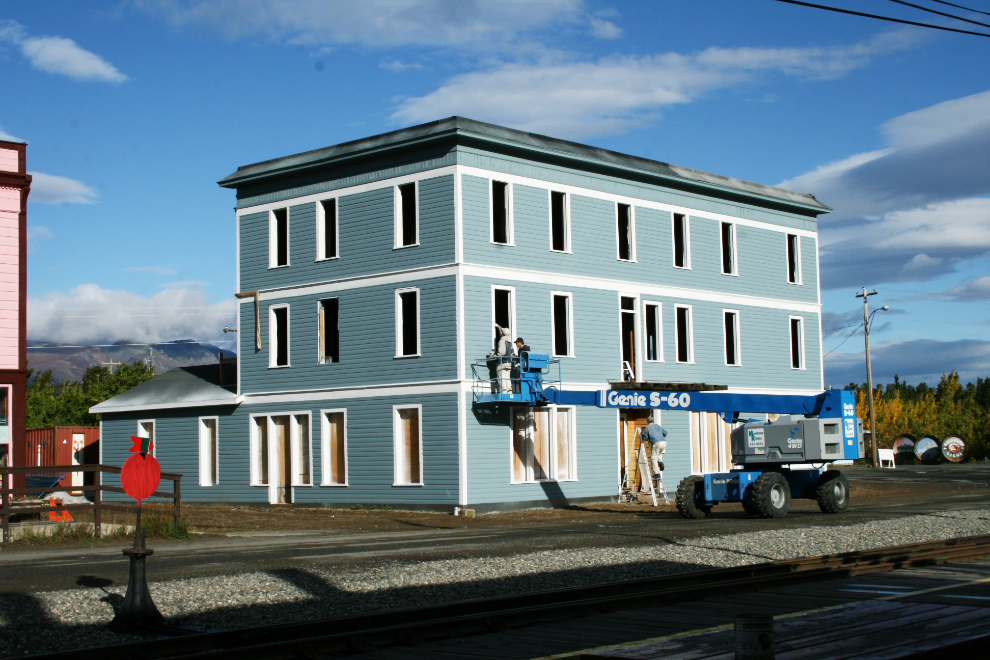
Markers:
point(867, 318)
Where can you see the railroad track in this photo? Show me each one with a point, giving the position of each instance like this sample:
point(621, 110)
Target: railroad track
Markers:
point(321, 638)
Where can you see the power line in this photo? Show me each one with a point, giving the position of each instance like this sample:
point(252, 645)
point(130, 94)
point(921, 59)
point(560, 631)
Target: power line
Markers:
point(940, 13)
point(842, 342)
point(883, 18)
point(975, 11)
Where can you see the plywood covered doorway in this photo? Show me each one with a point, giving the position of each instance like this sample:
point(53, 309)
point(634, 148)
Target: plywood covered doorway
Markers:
point(631, 425)
point(710, 446)
point(280, 480)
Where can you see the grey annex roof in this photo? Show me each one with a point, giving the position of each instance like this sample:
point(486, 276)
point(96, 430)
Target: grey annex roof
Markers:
point(508, 137)
point(182, 387)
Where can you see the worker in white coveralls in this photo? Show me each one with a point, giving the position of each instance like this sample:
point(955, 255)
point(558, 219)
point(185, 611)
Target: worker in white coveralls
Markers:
point(504, 349)
point(655, 435)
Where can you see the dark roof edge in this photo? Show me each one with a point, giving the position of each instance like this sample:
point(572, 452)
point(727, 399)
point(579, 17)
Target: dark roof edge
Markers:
point(513, 138)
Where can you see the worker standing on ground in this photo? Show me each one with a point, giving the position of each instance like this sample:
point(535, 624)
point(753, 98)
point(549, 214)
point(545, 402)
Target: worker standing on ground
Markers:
point(655, 434)
point(504, 351)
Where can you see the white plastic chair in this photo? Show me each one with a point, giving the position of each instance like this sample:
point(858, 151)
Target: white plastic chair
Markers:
point(886, 455)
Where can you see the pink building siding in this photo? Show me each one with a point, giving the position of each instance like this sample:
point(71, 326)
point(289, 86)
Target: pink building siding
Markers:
point(10, 208)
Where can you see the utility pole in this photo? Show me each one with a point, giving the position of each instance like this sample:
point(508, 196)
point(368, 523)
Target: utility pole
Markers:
point(869, 371)
point(151, 358)
point(111, 364)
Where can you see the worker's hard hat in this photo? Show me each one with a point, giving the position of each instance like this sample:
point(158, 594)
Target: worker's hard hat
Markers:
point(649, 418)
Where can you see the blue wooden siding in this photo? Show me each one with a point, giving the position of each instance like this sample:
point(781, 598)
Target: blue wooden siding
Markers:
point(761, 253)
point(489, 452)
point(367, 340)
point(366, 223)
point(764, 334)
point(369, 451)
point(498, 163)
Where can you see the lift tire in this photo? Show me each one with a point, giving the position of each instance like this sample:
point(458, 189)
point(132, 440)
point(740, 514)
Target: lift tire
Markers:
point(832, 492)
point(771, 495)
point(748, 505)
point(690, 494)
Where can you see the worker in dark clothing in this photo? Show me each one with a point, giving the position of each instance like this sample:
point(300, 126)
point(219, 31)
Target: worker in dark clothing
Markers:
point(655, 435)
point(516, 373)
point(521, 346)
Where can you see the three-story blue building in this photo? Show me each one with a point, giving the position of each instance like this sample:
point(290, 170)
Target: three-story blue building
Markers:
point(371, 276)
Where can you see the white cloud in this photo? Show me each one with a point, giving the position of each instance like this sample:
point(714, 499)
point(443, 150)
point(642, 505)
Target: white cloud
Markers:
point(978, 289)
point(613, 94)
point(154, 270)
point(184, 284)
point(60, 55)
point(480, 24)
point(52, 189)
point(4, 135)
point(91, 314)
point(921, 262)
point(602, 29)
point(37, 233)
point(399, 66)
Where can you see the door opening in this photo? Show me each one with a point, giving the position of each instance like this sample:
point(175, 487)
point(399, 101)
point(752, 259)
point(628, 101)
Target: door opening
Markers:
point(280, 479)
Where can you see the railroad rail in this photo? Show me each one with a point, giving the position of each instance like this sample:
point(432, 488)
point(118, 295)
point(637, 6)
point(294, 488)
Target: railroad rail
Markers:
point(354, 634)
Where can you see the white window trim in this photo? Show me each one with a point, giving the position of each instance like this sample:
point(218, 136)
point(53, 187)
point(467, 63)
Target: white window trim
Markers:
point(737, 323)
point(690, 333)
point(398, 322)
point(567, 221)
point(320, 357)
point(509, 215)
point(687, 242)
point(253, 442)
point(396, 440)
point(326, 468)
point(293, 457)
point(255, 465)
point(638, 339)
point(570, 325)
point(798, 279)
point(632, 233)
point(397, 215)
point(272, 249)
point(801, 347)
point(512, 309)
point(272, 336)
point(659, 306)
point(153, 436)
point(204, 479)
point(735, 249)
point(552, 468)
point(321, 224)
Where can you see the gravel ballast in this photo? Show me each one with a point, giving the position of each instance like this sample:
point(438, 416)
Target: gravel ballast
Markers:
point(61, 620)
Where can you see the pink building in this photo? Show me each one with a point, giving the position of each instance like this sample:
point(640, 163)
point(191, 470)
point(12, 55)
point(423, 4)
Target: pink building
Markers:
point(15, 183)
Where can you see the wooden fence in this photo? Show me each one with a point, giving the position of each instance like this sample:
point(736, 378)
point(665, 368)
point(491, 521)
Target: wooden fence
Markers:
point(95, 490)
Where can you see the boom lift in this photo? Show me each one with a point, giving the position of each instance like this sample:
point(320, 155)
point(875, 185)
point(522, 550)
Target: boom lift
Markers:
point(811, 430)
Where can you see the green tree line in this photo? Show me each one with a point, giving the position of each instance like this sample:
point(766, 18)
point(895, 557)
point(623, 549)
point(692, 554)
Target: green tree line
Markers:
point(949, 408)
point(68, 403)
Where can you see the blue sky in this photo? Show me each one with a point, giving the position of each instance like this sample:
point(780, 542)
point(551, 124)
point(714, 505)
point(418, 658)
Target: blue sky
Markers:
point(134, 109)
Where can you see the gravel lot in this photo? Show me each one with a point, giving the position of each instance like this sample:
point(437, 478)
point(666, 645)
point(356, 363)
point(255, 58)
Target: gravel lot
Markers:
point(59, 620)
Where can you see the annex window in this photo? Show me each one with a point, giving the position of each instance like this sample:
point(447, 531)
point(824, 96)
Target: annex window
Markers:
point(408, 431)
point(562, 324)
point(259, 451)
point(501, 213)
point(797, 342)
point(682, 241)
point(407, 323)
point(329, 311)
point(653, 319)
point(626, 228)
point(406, 215)
point(334, 445)
point(543, 445)
point(503, 312)
point(146, 429)
point(685, 339)
point(326, 229)
point(560, 225)
point(301, 450)
point(728, 248)
point(793, 259)
point(730, 322)
point(278, 336)
point(209, 452)
point(278, 238)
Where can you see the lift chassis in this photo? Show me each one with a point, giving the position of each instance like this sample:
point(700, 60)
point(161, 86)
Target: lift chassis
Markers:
point(775, 462)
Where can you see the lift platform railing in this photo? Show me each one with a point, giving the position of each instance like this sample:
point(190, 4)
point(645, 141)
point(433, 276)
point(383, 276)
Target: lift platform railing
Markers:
point(515, 379)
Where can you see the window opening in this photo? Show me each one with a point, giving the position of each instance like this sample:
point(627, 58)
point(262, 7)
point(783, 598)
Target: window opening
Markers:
point(558, 221)
point(147, 430)
point(407, 211)
point(731, 320)
point(280, 251)
point(503, 312)
point(683, 334)
point(681, 258)
point(329, 228)
point(335, 449)
point(797, 344)
point(261, 450)
point(543, 444)
point(625, 230)
point(500, 212)
point(628, 325)
point(793, 259)
point(408, 323)
point(301, 451)
point(209, 473)
point(561, 323)
point(654, 350)
point(280, 323)
point(728, 249)
point(408, 470)
point(329, 330)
